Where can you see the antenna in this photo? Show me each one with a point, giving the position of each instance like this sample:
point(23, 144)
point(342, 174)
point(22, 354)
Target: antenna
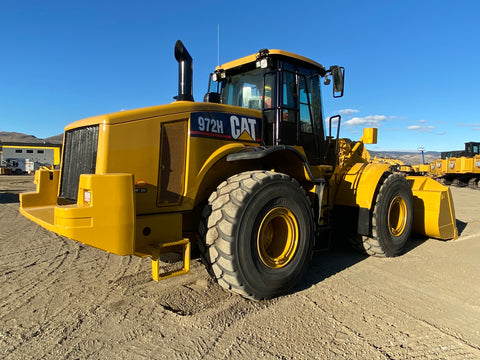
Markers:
point(218, 44)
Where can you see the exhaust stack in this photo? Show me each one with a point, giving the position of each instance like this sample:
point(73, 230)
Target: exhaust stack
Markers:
point(185, 73)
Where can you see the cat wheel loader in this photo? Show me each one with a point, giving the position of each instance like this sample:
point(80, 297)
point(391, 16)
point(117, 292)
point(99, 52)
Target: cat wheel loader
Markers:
point(458, 167)
point(249, 175)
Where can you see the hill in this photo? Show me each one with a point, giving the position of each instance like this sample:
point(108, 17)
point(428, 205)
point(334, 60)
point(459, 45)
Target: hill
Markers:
point(410, 158)
point(6, 136)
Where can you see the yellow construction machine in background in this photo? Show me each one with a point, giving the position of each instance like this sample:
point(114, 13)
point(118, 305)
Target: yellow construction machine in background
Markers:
point(459, 168)
point(248, 175)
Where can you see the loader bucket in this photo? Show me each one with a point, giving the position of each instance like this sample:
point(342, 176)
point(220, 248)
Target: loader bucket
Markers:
point(434, 213)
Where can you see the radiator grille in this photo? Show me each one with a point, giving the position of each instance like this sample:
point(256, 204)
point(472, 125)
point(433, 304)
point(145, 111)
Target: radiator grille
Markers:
point(79, 157)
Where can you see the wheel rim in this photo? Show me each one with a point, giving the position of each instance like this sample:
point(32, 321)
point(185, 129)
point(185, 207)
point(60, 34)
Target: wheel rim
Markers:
point(397, 216)
point(277, 238)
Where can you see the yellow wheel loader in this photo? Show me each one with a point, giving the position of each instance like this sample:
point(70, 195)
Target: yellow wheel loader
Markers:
point(249, 175)
point(458, 167)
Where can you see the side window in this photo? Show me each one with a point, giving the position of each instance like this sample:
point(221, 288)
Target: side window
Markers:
point(289, 111)
point(316, 102)
point(304, 101)
point(229, 92)
point(269, 101)
point(213, 86)
point(289, 90)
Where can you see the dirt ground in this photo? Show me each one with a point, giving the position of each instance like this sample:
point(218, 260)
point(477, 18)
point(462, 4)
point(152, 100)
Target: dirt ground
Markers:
point(62, 300)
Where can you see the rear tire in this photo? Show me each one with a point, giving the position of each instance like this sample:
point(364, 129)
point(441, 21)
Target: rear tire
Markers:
point(260, 234)
point(392, 218)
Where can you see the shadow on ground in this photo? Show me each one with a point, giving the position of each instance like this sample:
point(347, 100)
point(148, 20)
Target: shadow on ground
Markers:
point(339, 257)
point(461, 226)
point(10, 196)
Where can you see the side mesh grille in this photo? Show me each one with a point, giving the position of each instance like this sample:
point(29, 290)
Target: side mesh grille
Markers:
point(172, 166)
point(79, 157)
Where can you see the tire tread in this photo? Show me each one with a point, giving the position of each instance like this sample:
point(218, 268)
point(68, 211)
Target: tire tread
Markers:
point(373, 245)
point(219, 219)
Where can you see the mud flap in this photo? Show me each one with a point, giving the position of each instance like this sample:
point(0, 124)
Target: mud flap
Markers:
point(434, 212)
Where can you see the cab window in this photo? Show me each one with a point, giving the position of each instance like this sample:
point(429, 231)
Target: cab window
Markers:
point(244, 90)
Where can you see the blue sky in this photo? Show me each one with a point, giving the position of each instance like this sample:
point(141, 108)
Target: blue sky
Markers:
point(412, 67)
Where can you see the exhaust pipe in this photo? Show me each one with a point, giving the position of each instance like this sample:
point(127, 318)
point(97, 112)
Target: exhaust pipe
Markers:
point(185, 73)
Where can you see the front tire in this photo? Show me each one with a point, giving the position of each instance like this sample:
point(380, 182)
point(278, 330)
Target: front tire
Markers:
point(260, 234)
point(392, 218)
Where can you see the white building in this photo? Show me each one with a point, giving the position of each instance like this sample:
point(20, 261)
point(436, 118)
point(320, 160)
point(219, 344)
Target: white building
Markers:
point(40, 154)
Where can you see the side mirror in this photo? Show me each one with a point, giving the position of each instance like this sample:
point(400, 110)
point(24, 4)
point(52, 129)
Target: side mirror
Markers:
point(338, 75)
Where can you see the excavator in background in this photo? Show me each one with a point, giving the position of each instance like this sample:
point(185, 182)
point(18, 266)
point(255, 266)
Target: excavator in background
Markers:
point(249, 176)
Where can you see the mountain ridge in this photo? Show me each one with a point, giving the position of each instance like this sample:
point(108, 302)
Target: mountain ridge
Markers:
point(12, 136)
point(408, 157)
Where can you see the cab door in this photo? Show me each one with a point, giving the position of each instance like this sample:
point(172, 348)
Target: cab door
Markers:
point(289, 115)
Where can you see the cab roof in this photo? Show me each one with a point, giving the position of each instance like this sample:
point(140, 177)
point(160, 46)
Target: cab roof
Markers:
point(252, 58)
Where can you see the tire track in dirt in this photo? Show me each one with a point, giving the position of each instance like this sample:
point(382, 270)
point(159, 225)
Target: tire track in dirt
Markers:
point(10, 215)
point(101, 275)
point(130, 334)
point(449, 305)
point(31, 274)
point(394, 332)
point(73, 304)
point(40, 273)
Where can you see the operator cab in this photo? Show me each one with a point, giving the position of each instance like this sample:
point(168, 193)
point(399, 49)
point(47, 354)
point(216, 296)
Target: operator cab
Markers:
point(286, 88)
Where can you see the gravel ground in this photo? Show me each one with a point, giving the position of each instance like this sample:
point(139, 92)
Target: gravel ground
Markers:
point(63, 300)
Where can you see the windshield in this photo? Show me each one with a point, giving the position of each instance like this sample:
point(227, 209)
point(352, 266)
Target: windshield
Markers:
point(244, 89)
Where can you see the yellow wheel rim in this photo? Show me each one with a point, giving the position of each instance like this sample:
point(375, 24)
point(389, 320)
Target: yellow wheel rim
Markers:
point(397, 216)
point(277, 239)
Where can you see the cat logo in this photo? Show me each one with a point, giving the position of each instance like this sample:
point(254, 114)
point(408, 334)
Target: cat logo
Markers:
point(243, 128)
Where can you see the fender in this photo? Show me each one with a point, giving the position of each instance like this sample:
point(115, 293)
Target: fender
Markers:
point(298, 167)
point(260, 152)
point(212, 172)
point(354, 194)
